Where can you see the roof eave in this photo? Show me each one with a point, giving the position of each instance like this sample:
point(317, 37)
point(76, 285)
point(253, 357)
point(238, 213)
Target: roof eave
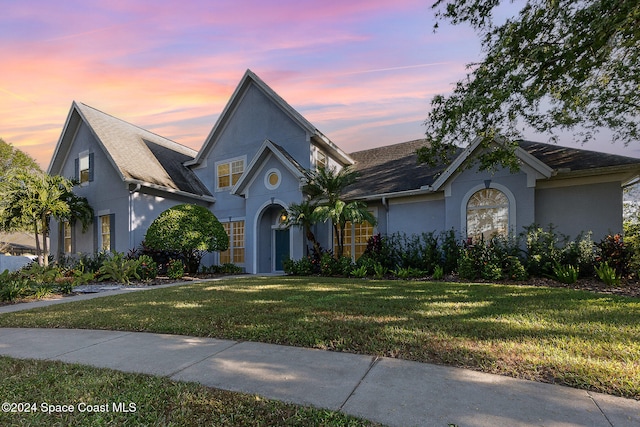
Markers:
point(425, 189)
point(173, 191)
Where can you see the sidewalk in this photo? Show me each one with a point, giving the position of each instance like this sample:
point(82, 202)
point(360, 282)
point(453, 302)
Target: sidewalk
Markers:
point(391, 391)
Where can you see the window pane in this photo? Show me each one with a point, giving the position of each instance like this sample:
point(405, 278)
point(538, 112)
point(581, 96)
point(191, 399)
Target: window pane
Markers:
point(225, 256)
point(84, 168)
point(223, 181)
point(237, 166)
point(238, 242)
point(363, 232)
point(224, 175)
point(105, 232)
point(487, 214)
point(235, 177)
point(321, 160)
point(67, 238)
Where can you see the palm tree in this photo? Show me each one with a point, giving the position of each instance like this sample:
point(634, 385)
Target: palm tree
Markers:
point(326, 186)
point(29, 200)
point(303, 215)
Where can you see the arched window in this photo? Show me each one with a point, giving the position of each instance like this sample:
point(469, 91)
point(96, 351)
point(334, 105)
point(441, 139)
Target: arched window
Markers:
point(487, 214)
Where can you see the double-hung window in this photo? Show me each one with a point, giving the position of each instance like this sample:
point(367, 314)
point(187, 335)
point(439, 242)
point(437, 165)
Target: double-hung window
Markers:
point(104, 233)
point(228, 173)
point(84, 167)
point(67, 237)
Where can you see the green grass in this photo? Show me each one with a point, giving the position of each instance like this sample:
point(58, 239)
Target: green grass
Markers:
point(156, 401)
point(569, 337)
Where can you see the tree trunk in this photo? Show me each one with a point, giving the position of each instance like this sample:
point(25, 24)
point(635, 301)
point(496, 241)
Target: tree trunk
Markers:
point(339, 240)
point(45, 246)
point(38, 249)
point(312, 238)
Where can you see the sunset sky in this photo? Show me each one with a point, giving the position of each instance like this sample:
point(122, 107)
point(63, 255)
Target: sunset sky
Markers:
point(362, 71)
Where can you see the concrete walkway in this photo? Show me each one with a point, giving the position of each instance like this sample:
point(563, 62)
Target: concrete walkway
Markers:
point(390, 391)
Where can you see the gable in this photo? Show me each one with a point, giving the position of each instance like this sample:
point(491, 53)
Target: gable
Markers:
point(267, 152)
point(136, 155)
point(256, 112)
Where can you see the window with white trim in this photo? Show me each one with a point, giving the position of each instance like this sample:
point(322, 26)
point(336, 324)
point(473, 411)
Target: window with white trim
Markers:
point(66, 237)
point(236, 251)
point(104, 236)
point(487, 214)
point(321, 159)
point(228, 173)
point(84, 165)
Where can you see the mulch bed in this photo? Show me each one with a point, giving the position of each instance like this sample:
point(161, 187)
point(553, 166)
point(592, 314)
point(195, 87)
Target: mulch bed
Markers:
point(628, 288)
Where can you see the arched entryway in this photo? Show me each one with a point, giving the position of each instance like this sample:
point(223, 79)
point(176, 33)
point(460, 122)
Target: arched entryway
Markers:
point(273, 240)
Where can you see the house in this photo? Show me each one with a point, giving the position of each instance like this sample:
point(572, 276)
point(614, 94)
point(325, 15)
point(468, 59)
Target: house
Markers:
point(252, 166)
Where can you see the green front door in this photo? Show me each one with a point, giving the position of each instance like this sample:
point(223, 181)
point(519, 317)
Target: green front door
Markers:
point(281, 248)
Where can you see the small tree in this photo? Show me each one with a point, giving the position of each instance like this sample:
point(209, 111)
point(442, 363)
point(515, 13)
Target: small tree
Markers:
point(326, 186)
point(303, 215)
point(28, 200)
point(188, 229)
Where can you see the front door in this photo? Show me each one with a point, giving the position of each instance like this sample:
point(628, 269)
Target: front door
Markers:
point(281, 248)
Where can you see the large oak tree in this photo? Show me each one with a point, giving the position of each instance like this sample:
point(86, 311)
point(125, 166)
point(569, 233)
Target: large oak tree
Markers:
point(559, 65)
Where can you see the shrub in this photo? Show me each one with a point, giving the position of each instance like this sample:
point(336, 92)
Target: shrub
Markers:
point(12, 287)
point(632, 241)
point(301, 267)
point(119, 269)
point(607, 274)
point(513, 269)
point(450, 248)
point(175, 269)
point(380, 271)
point(64, 285)
point(230, 268)
point(368, 263)
point(379, 250)
point(614, 252)
point(418, 251)
point(402, 273)
point(438, 273)
point(581, 253)
point(491, 271)
point(147, 268)
point(565, 273)
point(359, 272)
point(78, 276)
point(91, 262)
point(467, 266)
point(188, 229)
point(41, 290)
point(543, 249)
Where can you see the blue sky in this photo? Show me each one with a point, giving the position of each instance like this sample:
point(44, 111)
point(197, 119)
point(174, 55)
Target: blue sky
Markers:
point(363, 71)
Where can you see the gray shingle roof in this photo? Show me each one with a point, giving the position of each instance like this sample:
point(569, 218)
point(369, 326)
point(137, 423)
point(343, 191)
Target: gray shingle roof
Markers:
point(391, 169)
point(395, 168)
point(558, 157)
point(140, 155)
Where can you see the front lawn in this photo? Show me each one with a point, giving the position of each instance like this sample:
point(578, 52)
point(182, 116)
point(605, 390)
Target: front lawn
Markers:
point(563, 336)
point(60, 394)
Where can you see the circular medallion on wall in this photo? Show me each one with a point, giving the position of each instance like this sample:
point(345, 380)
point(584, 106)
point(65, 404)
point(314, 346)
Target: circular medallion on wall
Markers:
point(272, 179)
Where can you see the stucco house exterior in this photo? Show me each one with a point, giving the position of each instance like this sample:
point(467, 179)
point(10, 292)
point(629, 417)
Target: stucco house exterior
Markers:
point(252, 166)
